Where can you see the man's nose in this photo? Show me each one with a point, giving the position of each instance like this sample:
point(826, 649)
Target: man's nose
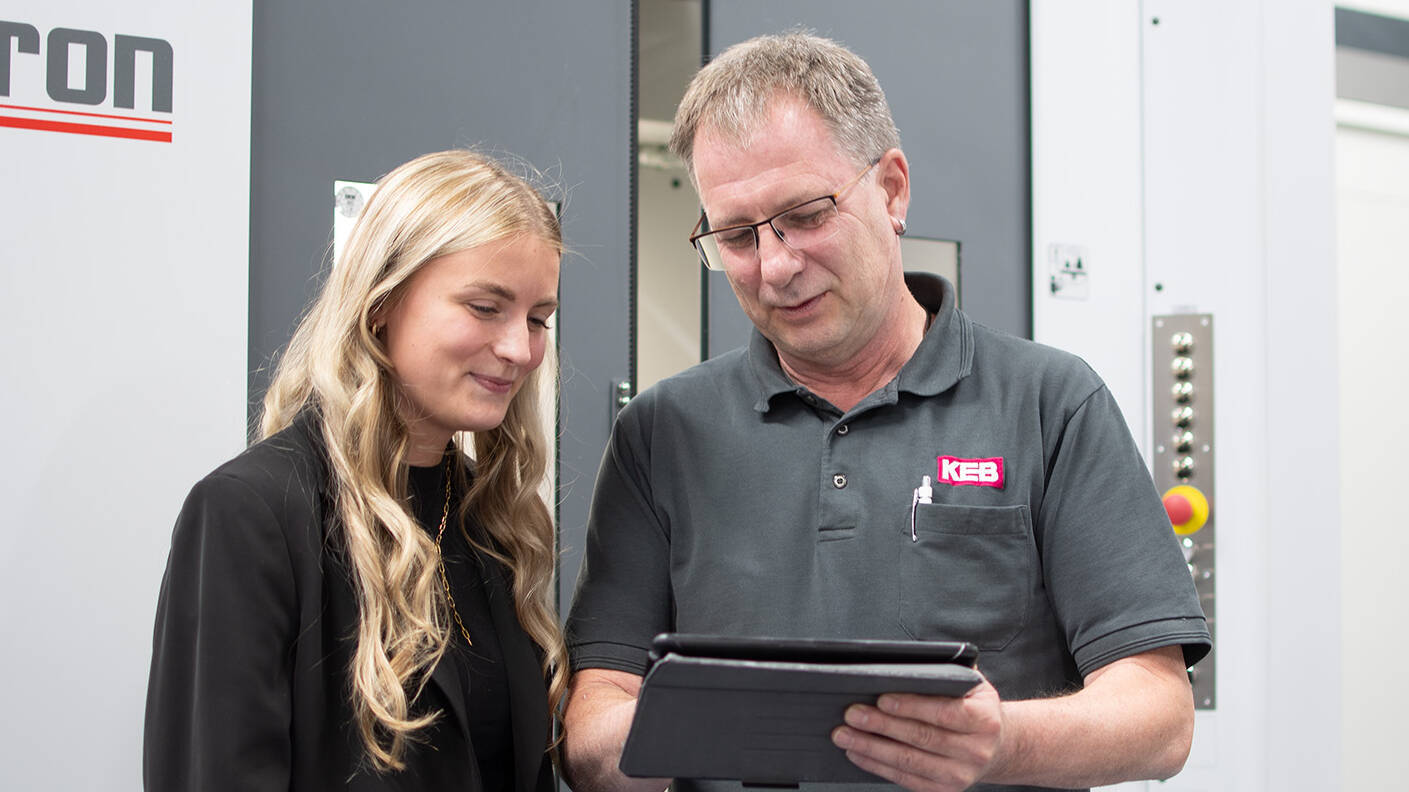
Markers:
point(777, 262)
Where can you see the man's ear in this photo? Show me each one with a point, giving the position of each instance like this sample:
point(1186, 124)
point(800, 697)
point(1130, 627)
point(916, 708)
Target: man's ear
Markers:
point(893, 174)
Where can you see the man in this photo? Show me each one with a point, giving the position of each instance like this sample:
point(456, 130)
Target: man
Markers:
point(773, 490)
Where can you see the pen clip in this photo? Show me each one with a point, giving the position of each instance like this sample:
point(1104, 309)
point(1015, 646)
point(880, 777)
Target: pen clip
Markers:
point(923, 494)
point(914, 503)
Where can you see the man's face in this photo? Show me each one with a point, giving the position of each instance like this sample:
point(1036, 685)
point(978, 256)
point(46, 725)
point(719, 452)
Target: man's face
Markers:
point(823, 306)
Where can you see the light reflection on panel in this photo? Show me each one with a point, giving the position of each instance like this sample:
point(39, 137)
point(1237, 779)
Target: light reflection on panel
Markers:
point(935, 256)
point(667, 276)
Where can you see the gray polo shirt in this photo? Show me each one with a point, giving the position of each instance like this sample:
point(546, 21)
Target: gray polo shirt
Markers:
point(730, 500)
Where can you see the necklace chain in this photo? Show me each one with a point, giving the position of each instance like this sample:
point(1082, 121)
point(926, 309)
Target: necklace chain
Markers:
point(440, 555)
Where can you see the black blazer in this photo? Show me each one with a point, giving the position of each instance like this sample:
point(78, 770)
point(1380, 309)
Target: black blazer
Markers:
point(255, 630)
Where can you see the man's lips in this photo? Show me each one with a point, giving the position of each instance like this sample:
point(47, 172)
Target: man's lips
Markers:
point(801, 307)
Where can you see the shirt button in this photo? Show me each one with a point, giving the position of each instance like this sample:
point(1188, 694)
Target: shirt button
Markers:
point(839, 480)
point(843, 429)
point(810, 400)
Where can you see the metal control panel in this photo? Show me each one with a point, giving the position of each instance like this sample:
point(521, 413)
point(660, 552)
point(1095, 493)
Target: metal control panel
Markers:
point(1183, 465)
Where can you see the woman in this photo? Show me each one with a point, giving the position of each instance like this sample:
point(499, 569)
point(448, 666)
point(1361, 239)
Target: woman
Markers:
point(351, 603)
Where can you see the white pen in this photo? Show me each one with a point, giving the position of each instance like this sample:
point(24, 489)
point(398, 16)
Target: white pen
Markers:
point(923, 494)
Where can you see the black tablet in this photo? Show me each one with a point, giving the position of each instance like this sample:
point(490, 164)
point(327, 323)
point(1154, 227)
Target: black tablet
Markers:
point(808, 650)
point(761, 710)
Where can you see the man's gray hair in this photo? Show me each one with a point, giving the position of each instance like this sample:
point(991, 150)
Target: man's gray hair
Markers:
point(734, 92)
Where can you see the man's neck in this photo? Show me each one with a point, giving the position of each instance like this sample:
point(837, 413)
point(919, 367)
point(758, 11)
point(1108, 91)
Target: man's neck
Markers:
point(867, 371)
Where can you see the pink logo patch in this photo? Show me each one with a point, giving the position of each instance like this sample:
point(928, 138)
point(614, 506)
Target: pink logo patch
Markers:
point(971, 472)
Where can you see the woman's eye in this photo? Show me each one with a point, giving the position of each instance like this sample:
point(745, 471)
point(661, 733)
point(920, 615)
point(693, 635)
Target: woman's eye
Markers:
point(540, 322)
point(484, 310)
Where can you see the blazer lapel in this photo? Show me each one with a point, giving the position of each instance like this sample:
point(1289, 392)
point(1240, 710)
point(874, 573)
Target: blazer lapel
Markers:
point(445, 677)
point(528, 699)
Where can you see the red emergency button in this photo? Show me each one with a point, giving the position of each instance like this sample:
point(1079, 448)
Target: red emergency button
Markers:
point(1187, 508)
point(1179, 508)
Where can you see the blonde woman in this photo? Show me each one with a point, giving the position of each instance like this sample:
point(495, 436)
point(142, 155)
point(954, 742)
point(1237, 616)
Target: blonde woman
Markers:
point(352, 603)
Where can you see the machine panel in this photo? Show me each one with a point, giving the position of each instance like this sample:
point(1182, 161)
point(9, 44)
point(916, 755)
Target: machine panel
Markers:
point(1182, 423)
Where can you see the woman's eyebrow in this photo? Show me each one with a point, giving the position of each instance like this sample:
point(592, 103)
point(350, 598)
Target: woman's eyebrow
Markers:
point(504, 292)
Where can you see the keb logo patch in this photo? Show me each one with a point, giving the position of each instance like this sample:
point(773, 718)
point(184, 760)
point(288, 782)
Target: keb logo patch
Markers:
point(971, 472)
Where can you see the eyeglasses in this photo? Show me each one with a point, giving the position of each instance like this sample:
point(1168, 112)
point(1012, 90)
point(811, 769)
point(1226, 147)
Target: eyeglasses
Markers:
point(799, 227)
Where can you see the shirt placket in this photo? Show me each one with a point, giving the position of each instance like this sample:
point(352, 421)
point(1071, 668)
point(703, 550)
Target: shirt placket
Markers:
point(839, 501)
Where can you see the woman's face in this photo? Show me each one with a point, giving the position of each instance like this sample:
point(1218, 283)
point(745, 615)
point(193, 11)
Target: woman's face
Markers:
point(467, 331)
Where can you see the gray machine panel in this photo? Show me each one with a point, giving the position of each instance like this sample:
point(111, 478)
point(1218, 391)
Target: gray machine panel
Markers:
point(1183, 460)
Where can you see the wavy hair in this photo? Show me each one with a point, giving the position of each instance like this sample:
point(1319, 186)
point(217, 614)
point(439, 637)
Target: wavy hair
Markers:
point(735, 90)
point(335, 365)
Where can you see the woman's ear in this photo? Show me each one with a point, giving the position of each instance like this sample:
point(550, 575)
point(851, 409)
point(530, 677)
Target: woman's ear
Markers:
point(377, 316)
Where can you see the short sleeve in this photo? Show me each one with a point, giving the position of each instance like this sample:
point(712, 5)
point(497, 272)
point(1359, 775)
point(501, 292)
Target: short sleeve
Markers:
point(219, 697)
point(1118, 582)
point(623, 596)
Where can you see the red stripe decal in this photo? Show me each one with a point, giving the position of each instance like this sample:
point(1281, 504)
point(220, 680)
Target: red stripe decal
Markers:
point(90, 115)
point(86, 129)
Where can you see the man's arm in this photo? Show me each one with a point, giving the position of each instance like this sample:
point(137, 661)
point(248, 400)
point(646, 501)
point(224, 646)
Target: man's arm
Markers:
point(601, 704)
point(1134, 719)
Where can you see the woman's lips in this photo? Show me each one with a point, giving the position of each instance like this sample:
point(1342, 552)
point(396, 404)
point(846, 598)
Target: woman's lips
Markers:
point(493, 384)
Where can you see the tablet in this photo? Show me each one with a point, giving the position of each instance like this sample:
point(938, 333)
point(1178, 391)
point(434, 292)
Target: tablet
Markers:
point(761, 710)
point(808, 650)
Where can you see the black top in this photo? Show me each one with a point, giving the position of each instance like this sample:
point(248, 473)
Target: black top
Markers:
point(255, 633)
point(480, 666)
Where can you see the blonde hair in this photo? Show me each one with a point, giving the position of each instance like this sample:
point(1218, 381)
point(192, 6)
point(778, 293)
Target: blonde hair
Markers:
point(432, 206)
point(733, 93)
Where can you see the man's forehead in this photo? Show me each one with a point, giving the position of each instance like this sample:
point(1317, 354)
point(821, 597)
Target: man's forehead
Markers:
point(789, 157)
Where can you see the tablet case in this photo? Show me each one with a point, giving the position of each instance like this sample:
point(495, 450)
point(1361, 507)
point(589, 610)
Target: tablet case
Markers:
point(769, 721)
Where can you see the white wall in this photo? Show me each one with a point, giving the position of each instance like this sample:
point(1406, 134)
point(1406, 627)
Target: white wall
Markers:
point(123, 267)
point(1195, 153)
point(1373, 238)
point(1372, 189)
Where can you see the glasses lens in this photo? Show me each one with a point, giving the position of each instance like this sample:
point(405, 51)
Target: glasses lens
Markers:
point(810, 224)
point(726, 247)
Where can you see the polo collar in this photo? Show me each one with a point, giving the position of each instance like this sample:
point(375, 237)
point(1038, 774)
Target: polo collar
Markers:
point(944, 357)
point(946, 353)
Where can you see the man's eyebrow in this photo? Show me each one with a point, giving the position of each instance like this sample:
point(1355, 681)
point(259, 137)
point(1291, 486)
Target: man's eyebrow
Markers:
point(783, 206)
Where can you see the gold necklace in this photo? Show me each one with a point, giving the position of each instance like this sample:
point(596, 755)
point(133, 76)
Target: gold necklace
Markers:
point(440, 555)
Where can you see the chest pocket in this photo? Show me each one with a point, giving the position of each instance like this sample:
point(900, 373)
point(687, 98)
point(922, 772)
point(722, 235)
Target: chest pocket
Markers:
point(968, 575)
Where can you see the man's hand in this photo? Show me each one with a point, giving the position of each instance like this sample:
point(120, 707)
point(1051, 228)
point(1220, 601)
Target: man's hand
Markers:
point(925, 743)
point(1133, 719)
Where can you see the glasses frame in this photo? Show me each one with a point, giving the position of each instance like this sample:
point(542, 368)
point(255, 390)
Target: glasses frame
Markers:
point(696, 236)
